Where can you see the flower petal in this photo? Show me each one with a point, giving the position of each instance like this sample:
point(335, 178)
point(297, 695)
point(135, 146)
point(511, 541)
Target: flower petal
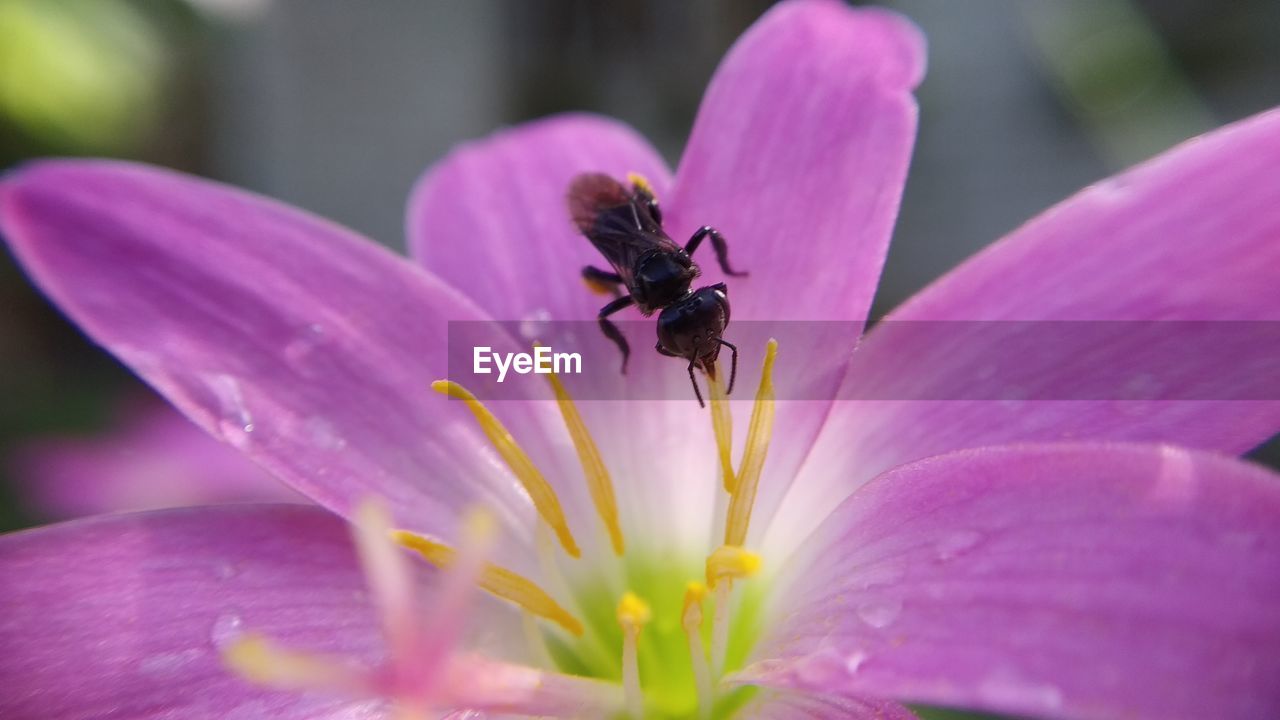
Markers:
point(128, 616)
point(1067, 580)
point(1188, 236)
point(492, 218)
point(305, 346)
point(125, 616)
point(153, 458)
point(774, 705)
point(799, 156)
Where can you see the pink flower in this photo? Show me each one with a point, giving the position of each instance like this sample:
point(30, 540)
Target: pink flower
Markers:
point(1032, 557)
point(152, 458)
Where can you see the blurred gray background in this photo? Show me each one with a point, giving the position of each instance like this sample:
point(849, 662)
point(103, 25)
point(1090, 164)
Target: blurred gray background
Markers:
point(337, 106)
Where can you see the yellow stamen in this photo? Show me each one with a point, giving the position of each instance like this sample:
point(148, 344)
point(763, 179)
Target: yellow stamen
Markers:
point(260, 661)
point(633, 613)
point(730, 562)
point(758, 435)
point(496, 580)
point(722, 423)
point(691, 621)
point(598, 481)
point(641, 183)
point(540, 491)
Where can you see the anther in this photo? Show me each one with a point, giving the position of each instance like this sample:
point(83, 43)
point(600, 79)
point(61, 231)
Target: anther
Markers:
point(260, 661)
point(599, 483)
point(722, 424)
point(730, 562)
point(633, 613)
point(540, 491)
point(759, 433)
point(691, 620)
point(496, 580)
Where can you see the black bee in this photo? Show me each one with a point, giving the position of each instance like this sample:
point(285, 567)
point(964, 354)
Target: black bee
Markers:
point(625, 225)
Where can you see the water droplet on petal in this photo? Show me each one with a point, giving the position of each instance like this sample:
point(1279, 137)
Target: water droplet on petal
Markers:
point(226, 629)
point(300, 351)
point(323, 434)
point(957, 543)
point(854, 662)
point(1007, 689)
point(880, 613)
point(236, 422)
point(534, 325)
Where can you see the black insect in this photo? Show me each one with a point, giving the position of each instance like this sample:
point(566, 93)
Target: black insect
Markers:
point(625, 225)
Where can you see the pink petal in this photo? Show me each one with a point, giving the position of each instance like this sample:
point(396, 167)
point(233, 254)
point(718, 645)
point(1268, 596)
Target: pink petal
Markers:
point(1066, 580)
point(1189, 236)
point(774, 705)
point(124, 616)
point(799, 156)
point(305, 346)
point(492, 218)
point(152, 458)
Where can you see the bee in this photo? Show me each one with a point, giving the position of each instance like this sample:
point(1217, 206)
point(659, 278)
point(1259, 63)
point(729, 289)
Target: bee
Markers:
point(624, 223)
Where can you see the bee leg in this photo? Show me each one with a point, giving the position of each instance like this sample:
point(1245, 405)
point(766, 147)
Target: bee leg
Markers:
point(601, 281)
point(733, 364)
point(611, 331)
point(718, 244)
point(693, 379)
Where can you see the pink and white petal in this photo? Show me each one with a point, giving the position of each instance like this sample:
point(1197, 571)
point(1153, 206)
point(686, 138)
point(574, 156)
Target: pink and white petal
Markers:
point(776, 705)
point(298, 342)
point(1059, 580)
point(493, 687)
point(1188, 236)
point(799, 156)
point(125, 616)
point(152, 458)
point(492, 217)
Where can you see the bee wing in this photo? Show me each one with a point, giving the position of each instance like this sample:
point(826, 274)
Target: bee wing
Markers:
point(616, 221)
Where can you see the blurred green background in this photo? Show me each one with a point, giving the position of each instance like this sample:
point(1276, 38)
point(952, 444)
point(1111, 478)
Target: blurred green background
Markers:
point(337, 106)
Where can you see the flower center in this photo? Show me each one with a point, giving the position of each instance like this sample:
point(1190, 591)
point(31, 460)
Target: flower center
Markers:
point(652, 637)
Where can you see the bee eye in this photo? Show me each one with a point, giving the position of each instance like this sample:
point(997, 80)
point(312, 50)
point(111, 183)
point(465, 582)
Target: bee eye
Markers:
point(655, 212)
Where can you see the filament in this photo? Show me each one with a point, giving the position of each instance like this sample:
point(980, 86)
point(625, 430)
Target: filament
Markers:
point(540, 491)
point(599, 483)
point(759, 433)
point(722, 424)
point(691, 621)
point(633, 613)
point(496, 580)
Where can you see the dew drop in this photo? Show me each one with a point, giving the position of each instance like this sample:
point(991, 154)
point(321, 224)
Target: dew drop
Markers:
point(1008, 690)
point(854, 662)
point(323, 434)
point(226, 629)
point(880, 613)
point(300, 350)
point(957, 543)
point(236, 422)
point(534, 325)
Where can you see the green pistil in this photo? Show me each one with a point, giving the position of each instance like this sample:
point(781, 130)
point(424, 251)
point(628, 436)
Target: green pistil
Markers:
point(666, 671)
